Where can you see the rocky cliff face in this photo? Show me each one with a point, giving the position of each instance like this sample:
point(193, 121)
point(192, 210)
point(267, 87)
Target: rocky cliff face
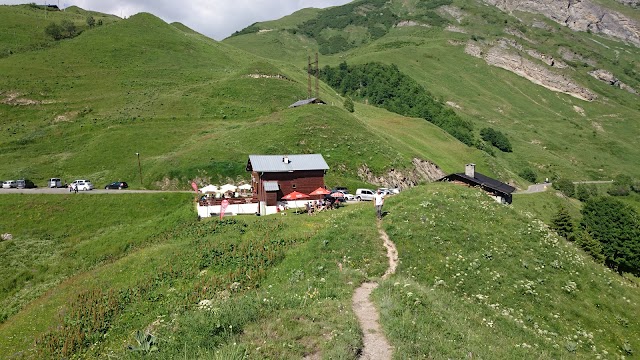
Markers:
point(502, 56)
point(422, 171)
point(580, 15)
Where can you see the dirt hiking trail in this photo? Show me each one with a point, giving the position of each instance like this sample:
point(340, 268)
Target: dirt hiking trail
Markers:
point(376, 345)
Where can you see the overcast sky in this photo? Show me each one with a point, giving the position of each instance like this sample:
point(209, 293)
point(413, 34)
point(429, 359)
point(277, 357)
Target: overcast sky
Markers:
point(214, 18)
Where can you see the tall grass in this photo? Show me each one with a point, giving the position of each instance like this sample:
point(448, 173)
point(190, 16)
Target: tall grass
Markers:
point(481, 279)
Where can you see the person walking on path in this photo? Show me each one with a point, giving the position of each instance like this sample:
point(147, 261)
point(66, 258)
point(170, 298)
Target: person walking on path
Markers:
point(378, 201)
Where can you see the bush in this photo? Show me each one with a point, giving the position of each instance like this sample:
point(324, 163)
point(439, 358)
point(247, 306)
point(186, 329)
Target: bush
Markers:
point(585, 192)
point(496, 138)
point(621, 186)
point(348, 104)
point(528, 175)
point(565, 186)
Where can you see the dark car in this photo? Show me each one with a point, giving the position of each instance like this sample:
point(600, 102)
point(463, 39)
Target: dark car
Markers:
point(117, 185)
point(25, 184)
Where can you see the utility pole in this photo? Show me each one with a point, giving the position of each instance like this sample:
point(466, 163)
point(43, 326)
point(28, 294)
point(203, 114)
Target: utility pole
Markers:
point(309, 78)
point(139, 168)
point(317, 76)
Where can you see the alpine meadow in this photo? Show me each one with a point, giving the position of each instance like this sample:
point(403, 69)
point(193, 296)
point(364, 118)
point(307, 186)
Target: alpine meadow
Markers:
point(543, 97)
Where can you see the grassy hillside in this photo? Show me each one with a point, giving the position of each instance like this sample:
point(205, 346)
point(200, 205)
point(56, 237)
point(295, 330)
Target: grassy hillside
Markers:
point(23, 26)
point(483, 280)
point(474, 277)
point(192, 108)
point(554, 134)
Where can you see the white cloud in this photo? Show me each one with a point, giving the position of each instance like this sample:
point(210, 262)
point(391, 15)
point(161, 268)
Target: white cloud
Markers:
point(214, 18)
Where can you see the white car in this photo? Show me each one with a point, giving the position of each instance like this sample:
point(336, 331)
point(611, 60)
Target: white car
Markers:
point(55, 183)
point(9, 184)
point(83, 185)
point(364, 194)
point(347, 196)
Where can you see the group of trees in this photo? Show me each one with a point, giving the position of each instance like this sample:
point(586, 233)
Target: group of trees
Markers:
point(385, 86)
point(609, 231)
point(67, 29)
point(622, 185)
point(496, 138)
point(375, 16)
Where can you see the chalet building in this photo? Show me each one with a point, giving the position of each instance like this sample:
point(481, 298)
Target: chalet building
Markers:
point(307, 102)
point(274, 176)
point(497, 189)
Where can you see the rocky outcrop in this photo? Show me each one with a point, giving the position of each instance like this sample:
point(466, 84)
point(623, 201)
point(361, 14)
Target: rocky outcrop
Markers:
point(579, 15)
point(632, 3)
point(609, 78)
point(422, 171)
point(500, 56)
point(406, 23)
point(454, 12)
point(570, 55)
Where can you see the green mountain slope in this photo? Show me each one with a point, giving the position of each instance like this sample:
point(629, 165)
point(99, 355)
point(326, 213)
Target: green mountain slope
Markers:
point(192, 107)
point(552, 133)
point(23, 25)
point(474, 277)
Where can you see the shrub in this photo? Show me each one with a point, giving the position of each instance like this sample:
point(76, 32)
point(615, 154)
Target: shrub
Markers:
point(528, 175)
point(565, 186)
point(585, 192)
point(348, 104)
point(621, 186)
point(91, 21)
point(496, 138)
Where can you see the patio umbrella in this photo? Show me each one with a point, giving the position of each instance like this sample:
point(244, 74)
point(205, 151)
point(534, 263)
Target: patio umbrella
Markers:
point(337, 194)
point(228, 187)
point(209, 189)
point(320, 191)
point(245, 187)
point(295, 196)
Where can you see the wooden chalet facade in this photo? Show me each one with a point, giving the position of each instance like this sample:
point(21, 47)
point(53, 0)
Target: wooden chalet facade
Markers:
point(497, 189)
point(274, 176)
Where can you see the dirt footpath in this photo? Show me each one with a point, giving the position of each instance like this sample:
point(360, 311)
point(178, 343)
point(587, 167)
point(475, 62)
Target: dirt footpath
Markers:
point(376, 345)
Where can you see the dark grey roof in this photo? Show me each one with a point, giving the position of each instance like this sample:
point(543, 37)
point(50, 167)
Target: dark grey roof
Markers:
point(307, 102)
point(483, 181)
point(271, 186)
point(275, 163)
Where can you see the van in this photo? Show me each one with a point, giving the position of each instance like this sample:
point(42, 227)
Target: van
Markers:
point(25, 184)
point(364, 194)
point(55, 183)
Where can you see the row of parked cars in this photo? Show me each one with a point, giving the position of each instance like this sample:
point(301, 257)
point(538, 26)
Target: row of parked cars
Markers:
point(80, 185)
point(364, 194)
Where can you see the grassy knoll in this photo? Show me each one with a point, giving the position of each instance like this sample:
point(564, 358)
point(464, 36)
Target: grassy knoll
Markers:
point(480, 279)
point(24, 25)
point(270, 281)
point(57, 236)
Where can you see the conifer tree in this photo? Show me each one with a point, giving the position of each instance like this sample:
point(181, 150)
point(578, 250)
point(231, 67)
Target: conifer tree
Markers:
point(591, 246)
point(348, 104)
point(562, 223)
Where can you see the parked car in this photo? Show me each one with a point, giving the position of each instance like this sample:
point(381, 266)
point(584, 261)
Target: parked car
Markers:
point(9, 184)
point(364, 194)
point(54, 183)
point(25, 184)
point(340, 188)
point(83, 185)
point(347, 196)
point(117, 185)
